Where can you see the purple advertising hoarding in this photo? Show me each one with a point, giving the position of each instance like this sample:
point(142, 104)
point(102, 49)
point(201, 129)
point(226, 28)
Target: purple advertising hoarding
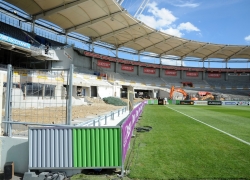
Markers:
point(128, 127)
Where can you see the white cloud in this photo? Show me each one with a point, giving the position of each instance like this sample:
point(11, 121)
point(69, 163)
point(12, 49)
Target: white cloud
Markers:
point(162, 19)
point(183, 3)
point(187, 27)
point(172, 31)
point(159, 17)
point(192, 5)
point(247, 38)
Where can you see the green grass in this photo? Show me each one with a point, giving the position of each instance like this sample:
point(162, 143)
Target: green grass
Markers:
point(179, 147)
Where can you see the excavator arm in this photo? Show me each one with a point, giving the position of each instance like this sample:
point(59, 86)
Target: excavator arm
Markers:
point(173, 89)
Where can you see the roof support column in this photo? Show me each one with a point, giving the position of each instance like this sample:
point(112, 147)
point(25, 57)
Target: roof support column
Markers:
point(182, 61)
point(33, 25)
point(182, 72)
point(116, 52)
point(66, 38)
point(203, 72)
point(92, 47)
point(160, 70)
point(139, 57)
point(226, 74)
point(116, 63)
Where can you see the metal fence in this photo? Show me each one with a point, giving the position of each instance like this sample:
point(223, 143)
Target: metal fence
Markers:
point(36, 97)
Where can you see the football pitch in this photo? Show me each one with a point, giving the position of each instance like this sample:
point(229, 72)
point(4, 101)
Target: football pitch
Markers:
point(192, 142)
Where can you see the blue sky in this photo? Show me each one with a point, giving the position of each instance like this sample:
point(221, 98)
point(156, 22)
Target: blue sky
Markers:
point(214, 21)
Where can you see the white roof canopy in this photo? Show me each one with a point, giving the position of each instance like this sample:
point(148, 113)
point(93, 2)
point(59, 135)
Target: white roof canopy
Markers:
point(107, 21)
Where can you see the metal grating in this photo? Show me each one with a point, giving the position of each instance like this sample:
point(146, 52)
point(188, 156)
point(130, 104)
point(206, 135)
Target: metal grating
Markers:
point(50, 148)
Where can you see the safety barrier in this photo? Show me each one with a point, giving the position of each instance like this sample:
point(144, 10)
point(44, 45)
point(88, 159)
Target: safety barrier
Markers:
point(153, 101)
point(212, 103)
point(74, 147)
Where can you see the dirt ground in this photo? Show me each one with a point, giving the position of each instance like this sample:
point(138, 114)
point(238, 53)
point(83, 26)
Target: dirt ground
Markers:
point(57, 115)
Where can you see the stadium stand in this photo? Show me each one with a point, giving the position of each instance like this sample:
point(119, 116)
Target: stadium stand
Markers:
point(96, 75)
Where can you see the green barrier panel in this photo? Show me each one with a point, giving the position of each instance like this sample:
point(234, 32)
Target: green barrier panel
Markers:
point(97, 147)
point(156, 101)
point(150, 101)
point(170, 101)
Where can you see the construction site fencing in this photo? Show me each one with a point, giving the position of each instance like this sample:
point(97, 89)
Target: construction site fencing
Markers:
point(73, 147)
point(36, 97)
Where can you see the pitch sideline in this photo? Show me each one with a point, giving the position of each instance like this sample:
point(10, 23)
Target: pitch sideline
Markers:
point(241, 140)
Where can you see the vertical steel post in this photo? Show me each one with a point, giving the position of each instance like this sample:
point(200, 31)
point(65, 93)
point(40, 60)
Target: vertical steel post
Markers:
point(122, 167)
point(105, 120)
point(69, 99)
point(8, 101)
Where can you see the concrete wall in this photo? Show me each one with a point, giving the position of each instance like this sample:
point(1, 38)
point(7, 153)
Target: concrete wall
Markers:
point(16, 150)
point(65, 56)
point(163, 94)
point(184, 76)
point(119, 70)
point(103, 92)
point(147, 74)
point(163, 75)
point(221, 78)
point(236, 78)
point(82, 61)
point(69, 56)
point(112, 66)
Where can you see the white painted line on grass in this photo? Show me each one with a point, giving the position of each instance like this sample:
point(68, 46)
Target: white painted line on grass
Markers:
point(241, 140)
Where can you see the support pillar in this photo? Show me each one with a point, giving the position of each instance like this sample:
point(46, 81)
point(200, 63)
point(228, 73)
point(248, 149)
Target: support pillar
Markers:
point(160, 70)
point(116, 67)
point(139, 67)
point(33, 25)
point(92, 63)
point(116, 64)
point(43, 91)
point(203, 72)
point(66, 38)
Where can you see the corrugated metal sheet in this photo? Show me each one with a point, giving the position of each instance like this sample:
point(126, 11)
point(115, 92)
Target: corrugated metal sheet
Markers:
point(50, 148)
point(97, 147)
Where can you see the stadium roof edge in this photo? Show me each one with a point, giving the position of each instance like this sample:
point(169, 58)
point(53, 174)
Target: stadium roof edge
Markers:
point(107, 21)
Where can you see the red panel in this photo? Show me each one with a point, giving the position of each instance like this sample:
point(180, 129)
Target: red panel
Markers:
point(104, 64)
point(192, 74)
point(214, 75)
point(127, 68)
point(170, 73)
point(149, 70)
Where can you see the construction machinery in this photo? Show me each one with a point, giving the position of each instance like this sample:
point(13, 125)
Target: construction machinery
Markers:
point(180, 90)
point(205, 95)
point(201, 95)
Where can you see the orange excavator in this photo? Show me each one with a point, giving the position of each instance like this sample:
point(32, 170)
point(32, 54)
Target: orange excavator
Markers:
point(173, 89)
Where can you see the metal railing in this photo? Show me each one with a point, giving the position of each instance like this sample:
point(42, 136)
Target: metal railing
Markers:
point(103, 120)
